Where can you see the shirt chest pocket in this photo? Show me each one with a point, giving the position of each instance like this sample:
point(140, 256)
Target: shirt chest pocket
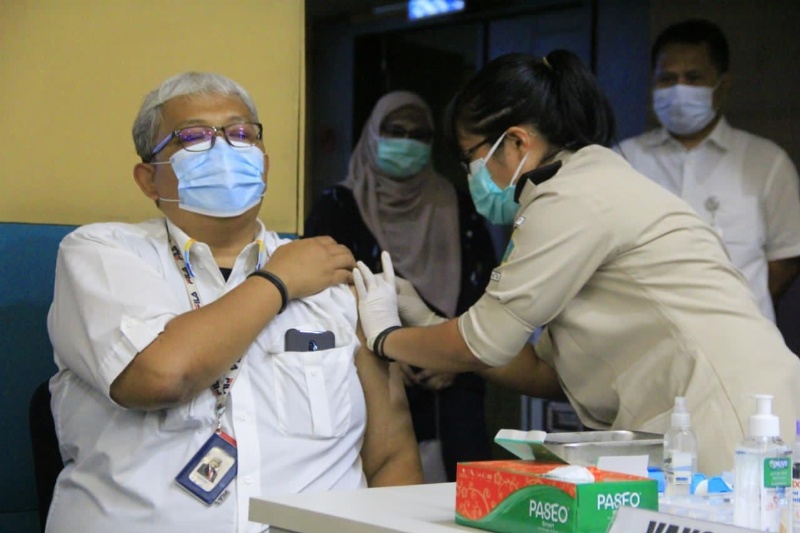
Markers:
point(312, 390)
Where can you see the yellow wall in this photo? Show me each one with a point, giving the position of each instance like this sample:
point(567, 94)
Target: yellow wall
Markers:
point(73, 74)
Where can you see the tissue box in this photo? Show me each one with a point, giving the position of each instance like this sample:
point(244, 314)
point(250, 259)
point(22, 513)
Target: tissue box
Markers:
point(513, 496)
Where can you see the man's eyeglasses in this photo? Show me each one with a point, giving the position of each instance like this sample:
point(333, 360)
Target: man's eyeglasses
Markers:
point(466, 156)
point(400, 132)
point(201, 138)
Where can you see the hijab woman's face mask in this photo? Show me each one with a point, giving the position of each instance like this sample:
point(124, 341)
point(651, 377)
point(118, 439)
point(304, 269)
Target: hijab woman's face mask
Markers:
point(402, 158)
point(495, 204)
point(404, 142)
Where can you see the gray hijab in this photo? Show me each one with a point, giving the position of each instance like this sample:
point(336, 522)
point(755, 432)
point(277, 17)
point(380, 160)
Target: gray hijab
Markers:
point(414, 218)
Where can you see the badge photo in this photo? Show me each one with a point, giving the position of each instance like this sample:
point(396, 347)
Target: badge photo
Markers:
point(211, 469)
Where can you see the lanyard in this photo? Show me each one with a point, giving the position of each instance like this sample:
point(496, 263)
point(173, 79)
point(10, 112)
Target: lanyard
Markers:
point(222, 386)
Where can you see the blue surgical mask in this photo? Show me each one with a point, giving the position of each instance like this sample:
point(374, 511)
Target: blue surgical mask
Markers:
point(497, 205)
point(684, 109)
point(221, 182)
point(402, 158)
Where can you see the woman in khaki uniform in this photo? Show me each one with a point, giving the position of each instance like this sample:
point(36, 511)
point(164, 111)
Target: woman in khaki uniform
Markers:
point(639, 299)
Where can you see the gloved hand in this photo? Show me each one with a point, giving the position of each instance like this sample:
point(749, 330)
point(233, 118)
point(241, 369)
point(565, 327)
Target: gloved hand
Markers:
point(377, 299)
point(413, 311)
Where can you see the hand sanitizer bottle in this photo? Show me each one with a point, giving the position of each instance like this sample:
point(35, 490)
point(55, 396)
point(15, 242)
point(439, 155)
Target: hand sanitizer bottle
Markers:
point(680, 452)
point(796, 481)
point(762, 467)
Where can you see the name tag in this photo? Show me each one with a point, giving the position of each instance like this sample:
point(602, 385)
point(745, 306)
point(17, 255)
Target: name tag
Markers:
point(209, 472)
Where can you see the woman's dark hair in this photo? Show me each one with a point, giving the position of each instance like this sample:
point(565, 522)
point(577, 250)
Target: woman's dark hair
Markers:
point(557, 94)
point(695, 31)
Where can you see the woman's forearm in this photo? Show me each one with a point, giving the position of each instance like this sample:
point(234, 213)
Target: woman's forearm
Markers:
point(527, 374)
point(439, 347)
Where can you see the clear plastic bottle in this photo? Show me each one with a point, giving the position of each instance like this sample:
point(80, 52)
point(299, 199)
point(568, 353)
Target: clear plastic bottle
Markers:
point(796, 481)
point(762, 467)
point(680, 452)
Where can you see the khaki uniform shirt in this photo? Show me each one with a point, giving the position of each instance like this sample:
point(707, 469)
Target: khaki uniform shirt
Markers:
point(641, 304)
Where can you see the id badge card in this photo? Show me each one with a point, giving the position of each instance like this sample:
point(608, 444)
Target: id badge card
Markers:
point(209, 472)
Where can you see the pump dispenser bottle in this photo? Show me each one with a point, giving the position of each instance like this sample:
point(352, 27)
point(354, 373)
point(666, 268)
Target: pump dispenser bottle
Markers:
point(762, 474)
point(680, 452)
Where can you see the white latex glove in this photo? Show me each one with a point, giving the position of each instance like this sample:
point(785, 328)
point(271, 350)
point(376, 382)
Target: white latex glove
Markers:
point(413, 311)
point(377, 299)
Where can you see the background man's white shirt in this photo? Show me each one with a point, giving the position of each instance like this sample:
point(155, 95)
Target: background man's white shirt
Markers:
point(744, 186)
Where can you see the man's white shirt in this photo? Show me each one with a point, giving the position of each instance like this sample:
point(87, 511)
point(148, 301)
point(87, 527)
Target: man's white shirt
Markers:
point(744, 186)
point(298, 418)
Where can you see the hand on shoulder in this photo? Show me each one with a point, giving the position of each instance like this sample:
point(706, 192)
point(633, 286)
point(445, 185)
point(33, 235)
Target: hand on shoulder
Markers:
point(308, 266)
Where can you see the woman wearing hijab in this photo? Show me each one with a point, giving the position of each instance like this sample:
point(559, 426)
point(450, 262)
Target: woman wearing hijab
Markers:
point(393, 200)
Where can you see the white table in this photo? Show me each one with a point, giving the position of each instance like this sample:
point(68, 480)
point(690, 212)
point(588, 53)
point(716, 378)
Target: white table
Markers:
point(410, 509)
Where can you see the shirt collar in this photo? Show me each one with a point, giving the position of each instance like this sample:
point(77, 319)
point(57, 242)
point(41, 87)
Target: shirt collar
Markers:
point(537, 176)
point(658, 137)
point(254, 254)
point(721, 136)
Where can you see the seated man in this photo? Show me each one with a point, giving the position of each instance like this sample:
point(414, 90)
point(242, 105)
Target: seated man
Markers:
point(170, 339)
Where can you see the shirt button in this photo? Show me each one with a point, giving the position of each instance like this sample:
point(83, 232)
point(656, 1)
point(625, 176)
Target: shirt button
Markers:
point(243, 417)
point(248, 480)
point(314, 373)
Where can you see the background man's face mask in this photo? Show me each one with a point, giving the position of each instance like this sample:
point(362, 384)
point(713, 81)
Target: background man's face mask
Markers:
point(684, 109)
point(220, 182)
point(497, 205)
point(402, 158)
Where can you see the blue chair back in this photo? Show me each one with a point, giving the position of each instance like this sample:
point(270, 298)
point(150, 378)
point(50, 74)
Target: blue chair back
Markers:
point(27, 271)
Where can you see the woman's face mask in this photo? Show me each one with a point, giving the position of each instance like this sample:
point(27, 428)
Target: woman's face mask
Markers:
point(495, 204)
point(684, 109)
point(402, 158)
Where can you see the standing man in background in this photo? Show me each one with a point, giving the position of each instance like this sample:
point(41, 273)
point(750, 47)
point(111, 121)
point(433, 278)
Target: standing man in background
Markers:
point(745, 186)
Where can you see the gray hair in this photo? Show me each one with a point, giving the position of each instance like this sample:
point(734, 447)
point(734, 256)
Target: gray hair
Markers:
point(148, 120)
